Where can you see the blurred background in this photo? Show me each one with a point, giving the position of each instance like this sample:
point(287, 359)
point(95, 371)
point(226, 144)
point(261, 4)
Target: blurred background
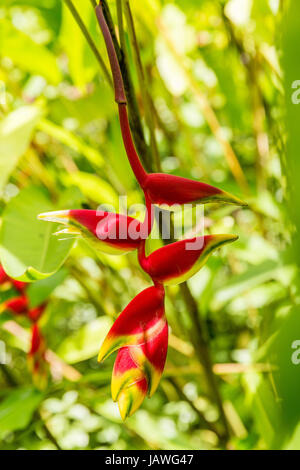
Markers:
point(213, 96)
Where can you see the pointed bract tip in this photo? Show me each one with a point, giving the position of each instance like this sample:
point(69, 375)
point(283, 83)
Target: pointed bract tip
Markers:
point(230, 199)
point(131, 398)
point(109, 345)
point(220, 240)
point(61, 217)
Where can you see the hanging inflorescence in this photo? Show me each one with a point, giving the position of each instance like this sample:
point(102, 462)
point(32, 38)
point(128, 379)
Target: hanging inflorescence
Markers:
point(140, 333)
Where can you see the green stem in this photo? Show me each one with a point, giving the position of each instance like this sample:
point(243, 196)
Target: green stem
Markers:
point(198, 338)
point(89, 39)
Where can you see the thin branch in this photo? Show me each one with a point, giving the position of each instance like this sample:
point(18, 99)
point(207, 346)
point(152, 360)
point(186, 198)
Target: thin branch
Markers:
point(183, 396)
point(198, 338)
point(89, 39)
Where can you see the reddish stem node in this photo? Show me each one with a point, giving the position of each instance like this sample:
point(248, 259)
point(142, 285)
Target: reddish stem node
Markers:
point(120, 96)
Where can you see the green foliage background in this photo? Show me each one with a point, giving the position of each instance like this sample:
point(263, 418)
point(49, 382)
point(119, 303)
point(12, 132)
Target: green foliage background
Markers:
point(60, 147)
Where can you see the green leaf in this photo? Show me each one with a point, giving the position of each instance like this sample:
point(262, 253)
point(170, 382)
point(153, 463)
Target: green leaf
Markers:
point(86, 342)
point(15, 134)
point(28, 249)
point(39, 291)
point(93, 187)
point(73, 142)
point(17, 409)
point(27, 54)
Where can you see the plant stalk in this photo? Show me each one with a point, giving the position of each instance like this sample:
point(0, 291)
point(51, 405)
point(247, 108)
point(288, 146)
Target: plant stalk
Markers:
point(134, 114)
point(141, 77)
point(89, 39)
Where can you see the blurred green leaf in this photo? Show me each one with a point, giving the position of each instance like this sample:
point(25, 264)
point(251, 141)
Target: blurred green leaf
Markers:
point(28, 249)
point(17, 409)
point(86, 342)
point(38, 292)
point(28, 55)
point(15, 133)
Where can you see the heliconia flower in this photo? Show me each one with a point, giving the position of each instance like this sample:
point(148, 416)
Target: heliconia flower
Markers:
point(36, 357)
point(16, 305)
point(106, 231)
point(143, 318)
point(177, 262)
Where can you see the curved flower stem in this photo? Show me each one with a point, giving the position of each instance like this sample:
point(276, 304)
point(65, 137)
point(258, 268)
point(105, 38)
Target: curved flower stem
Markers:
point(89, 39)
point(133, 157)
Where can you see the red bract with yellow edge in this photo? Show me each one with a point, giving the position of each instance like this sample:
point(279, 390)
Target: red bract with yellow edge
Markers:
point(16, 305)
point(143, 318)
point(177, 262)
point(128, 385)
point(105, 231)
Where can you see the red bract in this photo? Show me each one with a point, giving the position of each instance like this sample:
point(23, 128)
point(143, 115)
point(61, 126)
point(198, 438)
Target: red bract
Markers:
point(17, 305)
point(36, 340)
point(3, 276)
point(143, 318)
point(36, 357)
point(177, 262)
point(105, 231)
point(35, 313)
point(19, 285)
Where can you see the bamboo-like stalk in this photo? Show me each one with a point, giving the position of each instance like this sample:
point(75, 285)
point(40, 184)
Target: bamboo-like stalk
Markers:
point(89, 39)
